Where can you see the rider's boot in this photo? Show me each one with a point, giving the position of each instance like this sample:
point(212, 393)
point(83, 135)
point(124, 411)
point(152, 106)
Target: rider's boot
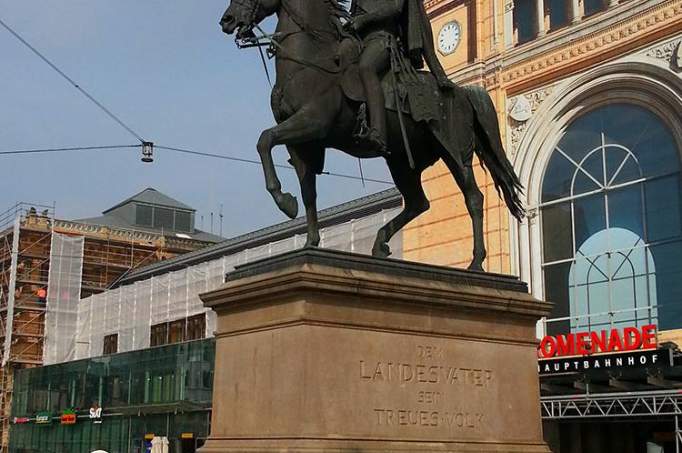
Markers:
point(444, 83)
point(377, 142)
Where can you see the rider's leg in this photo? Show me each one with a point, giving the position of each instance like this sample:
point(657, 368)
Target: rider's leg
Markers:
point(374, 62)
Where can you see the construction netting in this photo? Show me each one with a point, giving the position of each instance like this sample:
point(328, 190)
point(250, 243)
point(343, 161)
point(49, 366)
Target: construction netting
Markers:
point(63, 296)
point(130, 311)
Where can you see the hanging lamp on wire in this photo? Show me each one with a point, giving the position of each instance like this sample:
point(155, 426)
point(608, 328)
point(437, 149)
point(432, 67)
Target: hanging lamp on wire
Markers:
point(147, 152)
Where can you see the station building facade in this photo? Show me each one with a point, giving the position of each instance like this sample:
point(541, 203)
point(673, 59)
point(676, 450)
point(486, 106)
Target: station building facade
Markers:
point(589, 96)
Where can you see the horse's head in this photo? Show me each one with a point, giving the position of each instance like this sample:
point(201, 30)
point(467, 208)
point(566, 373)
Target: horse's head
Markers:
point(242, 15)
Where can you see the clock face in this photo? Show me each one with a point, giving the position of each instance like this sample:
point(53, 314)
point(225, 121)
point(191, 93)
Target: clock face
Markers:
point(448, 37)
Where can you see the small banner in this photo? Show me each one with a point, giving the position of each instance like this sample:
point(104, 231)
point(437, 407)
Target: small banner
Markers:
point(43, 418)
point(68, 417)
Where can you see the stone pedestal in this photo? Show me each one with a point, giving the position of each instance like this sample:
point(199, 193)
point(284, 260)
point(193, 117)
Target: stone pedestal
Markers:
point(322, 351)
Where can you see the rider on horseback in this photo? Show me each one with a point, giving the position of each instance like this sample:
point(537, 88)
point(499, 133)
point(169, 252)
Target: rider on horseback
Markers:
point(379, 23)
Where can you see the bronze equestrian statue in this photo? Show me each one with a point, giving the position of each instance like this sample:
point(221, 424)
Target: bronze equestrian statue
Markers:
point(319, 102)
point(380, 23)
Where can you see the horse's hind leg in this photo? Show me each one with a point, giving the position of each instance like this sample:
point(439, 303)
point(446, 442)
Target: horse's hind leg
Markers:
point(409, 184)
point(474, 202)
point(308, 124)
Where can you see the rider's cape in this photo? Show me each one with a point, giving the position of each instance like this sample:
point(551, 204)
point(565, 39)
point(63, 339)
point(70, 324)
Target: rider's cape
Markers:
point(417, 35)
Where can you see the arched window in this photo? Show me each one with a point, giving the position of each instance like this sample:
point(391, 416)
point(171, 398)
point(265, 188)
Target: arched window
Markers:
point(611, 222)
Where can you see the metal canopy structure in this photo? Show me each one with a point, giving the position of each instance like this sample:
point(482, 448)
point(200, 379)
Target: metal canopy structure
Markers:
point(662, 403)
point(633, 393)
point(601, 405)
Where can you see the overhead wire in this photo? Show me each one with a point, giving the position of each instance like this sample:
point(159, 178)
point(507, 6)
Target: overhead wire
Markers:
point(132, 132)
point(257, 162)
point(184, 151)
point(74, 148)
point(71, 81)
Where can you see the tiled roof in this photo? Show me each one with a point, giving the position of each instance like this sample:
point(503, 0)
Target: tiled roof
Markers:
point(153, 196)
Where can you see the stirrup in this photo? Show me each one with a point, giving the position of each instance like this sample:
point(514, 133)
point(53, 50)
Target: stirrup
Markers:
point(376, 142)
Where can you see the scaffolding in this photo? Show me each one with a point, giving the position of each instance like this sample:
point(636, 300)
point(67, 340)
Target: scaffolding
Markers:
point(46, 266)
point(22, 262)
point(64, 290)
point(129, 312)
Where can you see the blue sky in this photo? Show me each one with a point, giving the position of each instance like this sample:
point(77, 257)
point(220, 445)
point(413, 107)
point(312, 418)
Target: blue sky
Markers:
point(169, 72)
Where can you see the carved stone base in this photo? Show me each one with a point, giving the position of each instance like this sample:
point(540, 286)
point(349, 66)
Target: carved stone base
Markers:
point(321, 351)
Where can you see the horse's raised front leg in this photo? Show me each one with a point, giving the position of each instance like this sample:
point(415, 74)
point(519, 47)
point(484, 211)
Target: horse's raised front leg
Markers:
point(409, 184)
point(474, 202)
point(305, 159)
point(310, 123)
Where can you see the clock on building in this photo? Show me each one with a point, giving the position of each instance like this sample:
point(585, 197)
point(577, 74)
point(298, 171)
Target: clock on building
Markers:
point(449, 37)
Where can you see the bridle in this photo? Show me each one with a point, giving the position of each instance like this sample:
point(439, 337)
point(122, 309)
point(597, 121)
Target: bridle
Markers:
point(275, 42)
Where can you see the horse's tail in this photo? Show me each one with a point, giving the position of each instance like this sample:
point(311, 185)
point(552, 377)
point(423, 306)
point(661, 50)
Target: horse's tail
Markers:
point(490, 151)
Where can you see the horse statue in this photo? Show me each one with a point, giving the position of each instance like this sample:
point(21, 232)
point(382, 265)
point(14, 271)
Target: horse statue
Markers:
point(318, 103)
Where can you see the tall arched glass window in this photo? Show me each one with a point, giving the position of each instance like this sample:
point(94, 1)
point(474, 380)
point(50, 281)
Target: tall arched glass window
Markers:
point(611, 222)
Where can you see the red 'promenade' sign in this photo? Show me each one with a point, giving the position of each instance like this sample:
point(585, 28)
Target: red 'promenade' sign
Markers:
point(587, 343)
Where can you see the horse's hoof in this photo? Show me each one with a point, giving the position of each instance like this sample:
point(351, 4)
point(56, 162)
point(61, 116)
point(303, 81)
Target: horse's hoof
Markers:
point(476, 266)
point(288, 205)
point(312, 243)
point(381, 250)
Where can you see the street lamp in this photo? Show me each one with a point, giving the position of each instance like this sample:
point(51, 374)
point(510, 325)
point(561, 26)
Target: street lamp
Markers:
point(147, 152)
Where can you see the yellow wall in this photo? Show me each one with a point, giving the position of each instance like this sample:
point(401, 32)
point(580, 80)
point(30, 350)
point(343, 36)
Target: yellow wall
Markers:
point(443, 235)
point(460, 57)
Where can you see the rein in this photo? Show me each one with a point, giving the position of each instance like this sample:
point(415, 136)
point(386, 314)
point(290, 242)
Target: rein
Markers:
point(275, 41)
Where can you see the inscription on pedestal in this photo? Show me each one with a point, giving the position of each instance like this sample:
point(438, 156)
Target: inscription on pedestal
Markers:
point(441, 390)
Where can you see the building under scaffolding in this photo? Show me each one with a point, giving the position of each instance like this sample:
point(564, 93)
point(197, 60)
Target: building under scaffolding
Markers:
point(160, 304)
point(47, 265)
point(142, 350)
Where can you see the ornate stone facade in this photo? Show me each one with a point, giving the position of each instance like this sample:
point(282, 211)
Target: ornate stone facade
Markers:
point(535, 73)
point(670, 53)
point(516, 127)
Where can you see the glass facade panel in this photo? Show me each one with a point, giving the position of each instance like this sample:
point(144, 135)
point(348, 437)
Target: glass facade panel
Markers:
point(558, 14)
point(183, 221)
point(556, 229)
point(555, 184)
point(163, 218)
point(556, 291)
point(594, 6)
point(589, 217)
point(668, 283)
point(165, 391)
point(143, 215)
point(626, 210)
point(176, 331)
point(663, 208)
point(524, 20)
point(616, 244)
point(159, 334)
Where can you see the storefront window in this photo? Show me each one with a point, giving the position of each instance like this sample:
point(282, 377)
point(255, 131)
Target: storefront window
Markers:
point(611, 222)
point(127, 386)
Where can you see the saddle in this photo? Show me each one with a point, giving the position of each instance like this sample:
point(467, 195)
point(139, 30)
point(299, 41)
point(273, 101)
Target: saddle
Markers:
point(414, 93)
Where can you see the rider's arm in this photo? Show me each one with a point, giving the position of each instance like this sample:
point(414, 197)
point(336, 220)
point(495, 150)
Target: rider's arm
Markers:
point(387, 10)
